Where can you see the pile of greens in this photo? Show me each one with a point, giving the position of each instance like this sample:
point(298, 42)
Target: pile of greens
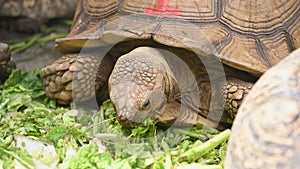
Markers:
point(94, 138)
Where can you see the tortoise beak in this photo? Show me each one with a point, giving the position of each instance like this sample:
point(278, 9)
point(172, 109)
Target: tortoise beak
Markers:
point(132, 118)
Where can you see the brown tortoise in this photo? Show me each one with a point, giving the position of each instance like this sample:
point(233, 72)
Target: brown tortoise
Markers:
point(247, 36)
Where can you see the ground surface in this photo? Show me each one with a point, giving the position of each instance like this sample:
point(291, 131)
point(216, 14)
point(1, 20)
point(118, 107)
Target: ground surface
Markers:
point(35, 56)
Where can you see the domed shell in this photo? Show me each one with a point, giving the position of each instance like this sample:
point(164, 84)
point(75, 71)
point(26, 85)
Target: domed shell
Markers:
point(250, 35)
point(265, 132)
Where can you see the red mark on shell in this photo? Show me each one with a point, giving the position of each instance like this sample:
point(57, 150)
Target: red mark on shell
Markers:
point(162, 8)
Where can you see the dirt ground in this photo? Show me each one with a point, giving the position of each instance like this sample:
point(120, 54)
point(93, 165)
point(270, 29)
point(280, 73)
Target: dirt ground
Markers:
point(35, 56)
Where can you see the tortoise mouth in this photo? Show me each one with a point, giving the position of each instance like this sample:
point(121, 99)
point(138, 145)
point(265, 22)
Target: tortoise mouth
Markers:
point(131, 118)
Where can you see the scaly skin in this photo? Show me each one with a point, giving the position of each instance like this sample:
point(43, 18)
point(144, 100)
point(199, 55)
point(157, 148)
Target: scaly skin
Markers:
point(6, 64)
point(153, 82)
point(138, 84)
point(78, 77)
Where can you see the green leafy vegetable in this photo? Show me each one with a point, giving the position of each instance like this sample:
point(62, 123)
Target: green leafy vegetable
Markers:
point(26, 110)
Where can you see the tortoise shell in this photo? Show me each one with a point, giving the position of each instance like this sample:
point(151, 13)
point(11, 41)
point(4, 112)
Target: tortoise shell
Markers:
point(265, 131)
point(248, 35)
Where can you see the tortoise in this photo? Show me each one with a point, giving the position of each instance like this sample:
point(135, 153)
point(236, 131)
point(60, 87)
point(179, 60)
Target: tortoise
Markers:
point(265, 133)
point(125, 50)
point(31, 15)
point(6, 63)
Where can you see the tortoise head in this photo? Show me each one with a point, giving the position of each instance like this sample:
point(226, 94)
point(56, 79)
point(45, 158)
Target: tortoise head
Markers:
point(137, 85)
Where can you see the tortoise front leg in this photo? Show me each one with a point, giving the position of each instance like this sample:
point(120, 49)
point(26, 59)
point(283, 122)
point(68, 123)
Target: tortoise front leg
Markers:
point(236, 90)
point(77, 77)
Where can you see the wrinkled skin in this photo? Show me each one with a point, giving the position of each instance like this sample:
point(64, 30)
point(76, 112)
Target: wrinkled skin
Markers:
point(151, 82)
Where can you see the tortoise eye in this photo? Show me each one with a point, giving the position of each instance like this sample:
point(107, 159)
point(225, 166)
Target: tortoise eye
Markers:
point(146, 103)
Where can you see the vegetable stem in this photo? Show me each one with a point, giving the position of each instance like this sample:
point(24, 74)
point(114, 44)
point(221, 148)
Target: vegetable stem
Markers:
point(51, 37)
point(200, 150)
point(25, 163)
point(66, 22)
point(188, 133)
point(31, 42)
